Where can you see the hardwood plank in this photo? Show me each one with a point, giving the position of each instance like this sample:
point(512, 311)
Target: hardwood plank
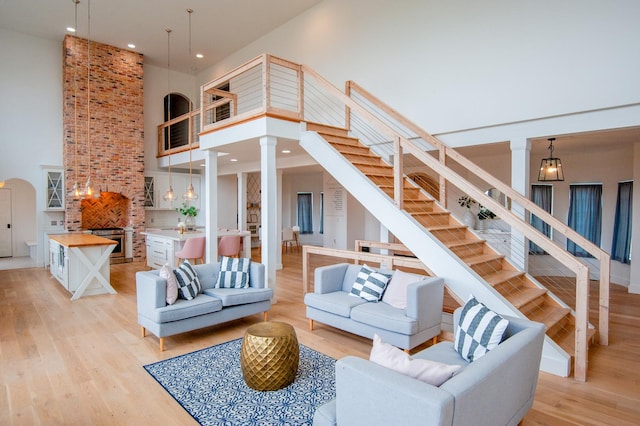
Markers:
point(80, 362)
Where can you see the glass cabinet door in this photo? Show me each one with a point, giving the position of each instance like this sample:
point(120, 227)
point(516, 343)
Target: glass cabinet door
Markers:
point(54, 190)
point(149, 191)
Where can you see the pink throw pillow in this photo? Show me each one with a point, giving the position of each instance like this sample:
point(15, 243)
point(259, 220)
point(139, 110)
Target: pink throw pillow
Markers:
point(172, 284)
point(431, 372)
point(396, 292)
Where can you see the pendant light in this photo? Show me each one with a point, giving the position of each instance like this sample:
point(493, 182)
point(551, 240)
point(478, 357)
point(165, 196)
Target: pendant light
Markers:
point(169, 195)
point(551, 168)
point(76, 192)
point(190, 194)
point(88, 190)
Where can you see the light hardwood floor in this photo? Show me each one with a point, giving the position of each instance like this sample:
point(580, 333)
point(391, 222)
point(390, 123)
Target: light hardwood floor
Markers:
point(80, 363)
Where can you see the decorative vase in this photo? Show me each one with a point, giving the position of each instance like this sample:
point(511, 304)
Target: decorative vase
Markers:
point(469, 218)
point(480, 225)
point(190, 221)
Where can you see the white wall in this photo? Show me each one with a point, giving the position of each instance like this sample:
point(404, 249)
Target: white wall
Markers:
point(461, 64)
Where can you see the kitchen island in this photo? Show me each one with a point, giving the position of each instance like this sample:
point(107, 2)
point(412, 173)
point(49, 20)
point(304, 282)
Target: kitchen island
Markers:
point(80, 262)
point(162, 245)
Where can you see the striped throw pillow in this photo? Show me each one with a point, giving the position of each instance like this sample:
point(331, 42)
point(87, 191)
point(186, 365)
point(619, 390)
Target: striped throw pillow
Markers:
point(479, 330)
point(188, 282)
point(234, 272)
point(369, 284)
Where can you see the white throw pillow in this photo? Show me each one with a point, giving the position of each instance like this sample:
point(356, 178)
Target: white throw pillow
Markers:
point(431, 372)
point(172, 285)
point(479, 330)
point(396, 292)
point(369, 284)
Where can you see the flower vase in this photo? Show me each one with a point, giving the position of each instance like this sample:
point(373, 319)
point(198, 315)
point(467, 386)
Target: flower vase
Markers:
point(190, 222)
point(480, 225)
point(468, 218)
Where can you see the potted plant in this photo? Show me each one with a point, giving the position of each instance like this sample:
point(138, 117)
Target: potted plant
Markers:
point(484, 214)
point(189, 213)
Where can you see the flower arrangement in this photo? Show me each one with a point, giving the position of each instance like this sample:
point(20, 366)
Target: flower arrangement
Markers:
point(483, 213)
point(466, 201)
point(187, 210)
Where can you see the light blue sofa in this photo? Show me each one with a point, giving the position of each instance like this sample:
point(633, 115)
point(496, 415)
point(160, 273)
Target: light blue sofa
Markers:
point(331, 304)
point(213, 306)
point(497, 389)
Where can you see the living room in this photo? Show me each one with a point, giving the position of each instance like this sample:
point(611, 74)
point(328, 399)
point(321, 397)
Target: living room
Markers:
point(468, 96)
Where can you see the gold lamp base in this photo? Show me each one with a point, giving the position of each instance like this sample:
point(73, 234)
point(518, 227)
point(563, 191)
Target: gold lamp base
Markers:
point(269, 356)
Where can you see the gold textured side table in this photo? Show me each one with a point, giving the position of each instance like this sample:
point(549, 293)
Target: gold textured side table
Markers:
point(269, 355)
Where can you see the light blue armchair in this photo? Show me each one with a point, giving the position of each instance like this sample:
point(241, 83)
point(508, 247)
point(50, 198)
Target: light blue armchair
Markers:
point(497, 389)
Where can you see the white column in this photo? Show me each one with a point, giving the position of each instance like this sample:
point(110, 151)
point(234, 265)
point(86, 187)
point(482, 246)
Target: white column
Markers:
point(242, 201)
point(520, 158)
point(279, 216)
point(211, 205)
point(269, 216)
point(634, 274)
point(384, 237)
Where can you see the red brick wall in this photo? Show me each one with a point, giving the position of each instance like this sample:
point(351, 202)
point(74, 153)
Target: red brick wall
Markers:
point(115, 154)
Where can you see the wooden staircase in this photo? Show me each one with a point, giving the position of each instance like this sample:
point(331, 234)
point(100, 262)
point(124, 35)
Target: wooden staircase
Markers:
point(529, 297)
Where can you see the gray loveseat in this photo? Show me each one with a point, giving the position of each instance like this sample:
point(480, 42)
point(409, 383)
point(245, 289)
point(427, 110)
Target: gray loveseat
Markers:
point(331, 304)
point(213, 306)
point(495, 390)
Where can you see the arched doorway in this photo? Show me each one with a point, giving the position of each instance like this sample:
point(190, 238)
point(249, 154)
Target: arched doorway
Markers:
point(18, 227)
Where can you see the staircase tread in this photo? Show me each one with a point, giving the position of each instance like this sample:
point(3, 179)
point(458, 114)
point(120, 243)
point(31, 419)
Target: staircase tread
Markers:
point(482, 258)
point(524, 296)
point(445, 227)
point(550, 316)
point(567, 341)
point(467, 241)
point(501, 276)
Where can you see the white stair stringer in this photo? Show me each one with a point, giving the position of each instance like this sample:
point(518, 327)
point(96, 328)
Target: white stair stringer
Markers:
point(458, 276)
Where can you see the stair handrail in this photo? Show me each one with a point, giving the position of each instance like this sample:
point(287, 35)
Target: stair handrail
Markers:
point(602, 256)
point(578, 267)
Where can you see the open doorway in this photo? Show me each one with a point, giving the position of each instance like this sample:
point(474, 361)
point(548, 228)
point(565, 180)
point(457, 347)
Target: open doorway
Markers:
point(18, 216)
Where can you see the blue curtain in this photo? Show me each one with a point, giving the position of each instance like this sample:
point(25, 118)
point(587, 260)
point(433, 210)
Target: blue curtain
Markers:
point(621, 246)
point(322, 212)
point(305, 213)
point(541, 195)
point(585, 215)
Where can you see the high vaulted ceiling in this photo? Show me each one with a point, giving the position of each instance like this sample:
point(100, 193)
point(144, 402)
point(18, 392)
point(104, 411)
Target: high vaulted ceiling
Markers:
point(219, 27)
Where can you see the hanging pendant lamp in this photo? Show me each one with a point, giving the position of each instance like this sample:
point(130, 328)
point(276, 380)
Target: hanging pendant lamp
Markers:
point(190, 194)
point(88, 190)
point(551, 167)
point(76, 191)
point(169, 195)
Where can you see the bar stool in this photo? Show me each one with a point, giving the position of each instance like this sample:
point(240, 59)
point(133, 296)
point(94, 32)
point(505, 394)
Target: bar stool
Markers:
point(193, 250)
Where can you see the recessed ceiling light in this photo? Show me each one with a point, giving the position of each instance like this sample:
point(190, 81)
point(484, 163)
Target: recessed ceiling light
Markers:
point(199, 55)
point(71, 29)
point(286, 151)
point(233, 159)
point(131, 46)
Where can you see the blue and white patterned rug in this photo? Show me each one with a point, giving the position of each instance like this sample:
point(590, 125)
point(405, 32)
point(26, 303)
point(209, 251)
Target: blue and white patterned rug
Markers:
point(208, 384)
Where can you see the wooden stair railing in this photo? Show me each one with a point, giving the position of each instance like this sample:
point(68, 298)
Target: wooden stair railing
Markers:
point(518, 288)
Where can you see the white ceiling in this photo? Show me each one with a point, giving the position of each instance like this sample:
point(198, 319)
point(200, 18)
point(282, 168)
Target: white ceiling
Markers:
point(219, 27)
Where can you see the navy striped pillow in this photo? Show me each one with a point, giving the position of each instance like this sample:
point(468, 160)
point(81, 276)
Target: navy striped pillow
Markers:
point(188, 282)
point(479, 330)
point(369, 284)
point(234, 273)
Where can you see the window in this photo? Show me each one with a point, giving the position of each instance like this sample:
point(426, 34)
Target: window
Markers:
point(621, 245)
point(305, 212)
point(585, 215)
point(223, 111)
point(542, 196)
point(176, 105)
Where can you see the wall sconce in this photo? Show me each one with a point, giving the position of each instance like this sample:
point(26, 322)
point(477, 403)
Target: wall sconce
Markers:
point(551, 168)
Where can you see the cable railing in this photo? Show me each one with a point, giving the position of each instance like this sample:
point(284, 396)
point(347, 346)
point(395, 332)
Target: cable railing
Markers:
point(396, 149)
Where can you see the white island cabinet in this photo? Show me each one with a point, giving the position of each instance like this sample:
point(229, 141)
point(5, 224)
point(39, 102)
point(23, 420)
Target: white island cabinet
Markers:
point(80, 262)
point(162, 245)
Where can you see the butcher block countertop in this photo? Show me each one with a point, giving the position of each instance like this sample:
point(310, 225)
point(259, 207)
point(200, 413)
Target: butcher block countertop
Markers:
point(81, 240)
